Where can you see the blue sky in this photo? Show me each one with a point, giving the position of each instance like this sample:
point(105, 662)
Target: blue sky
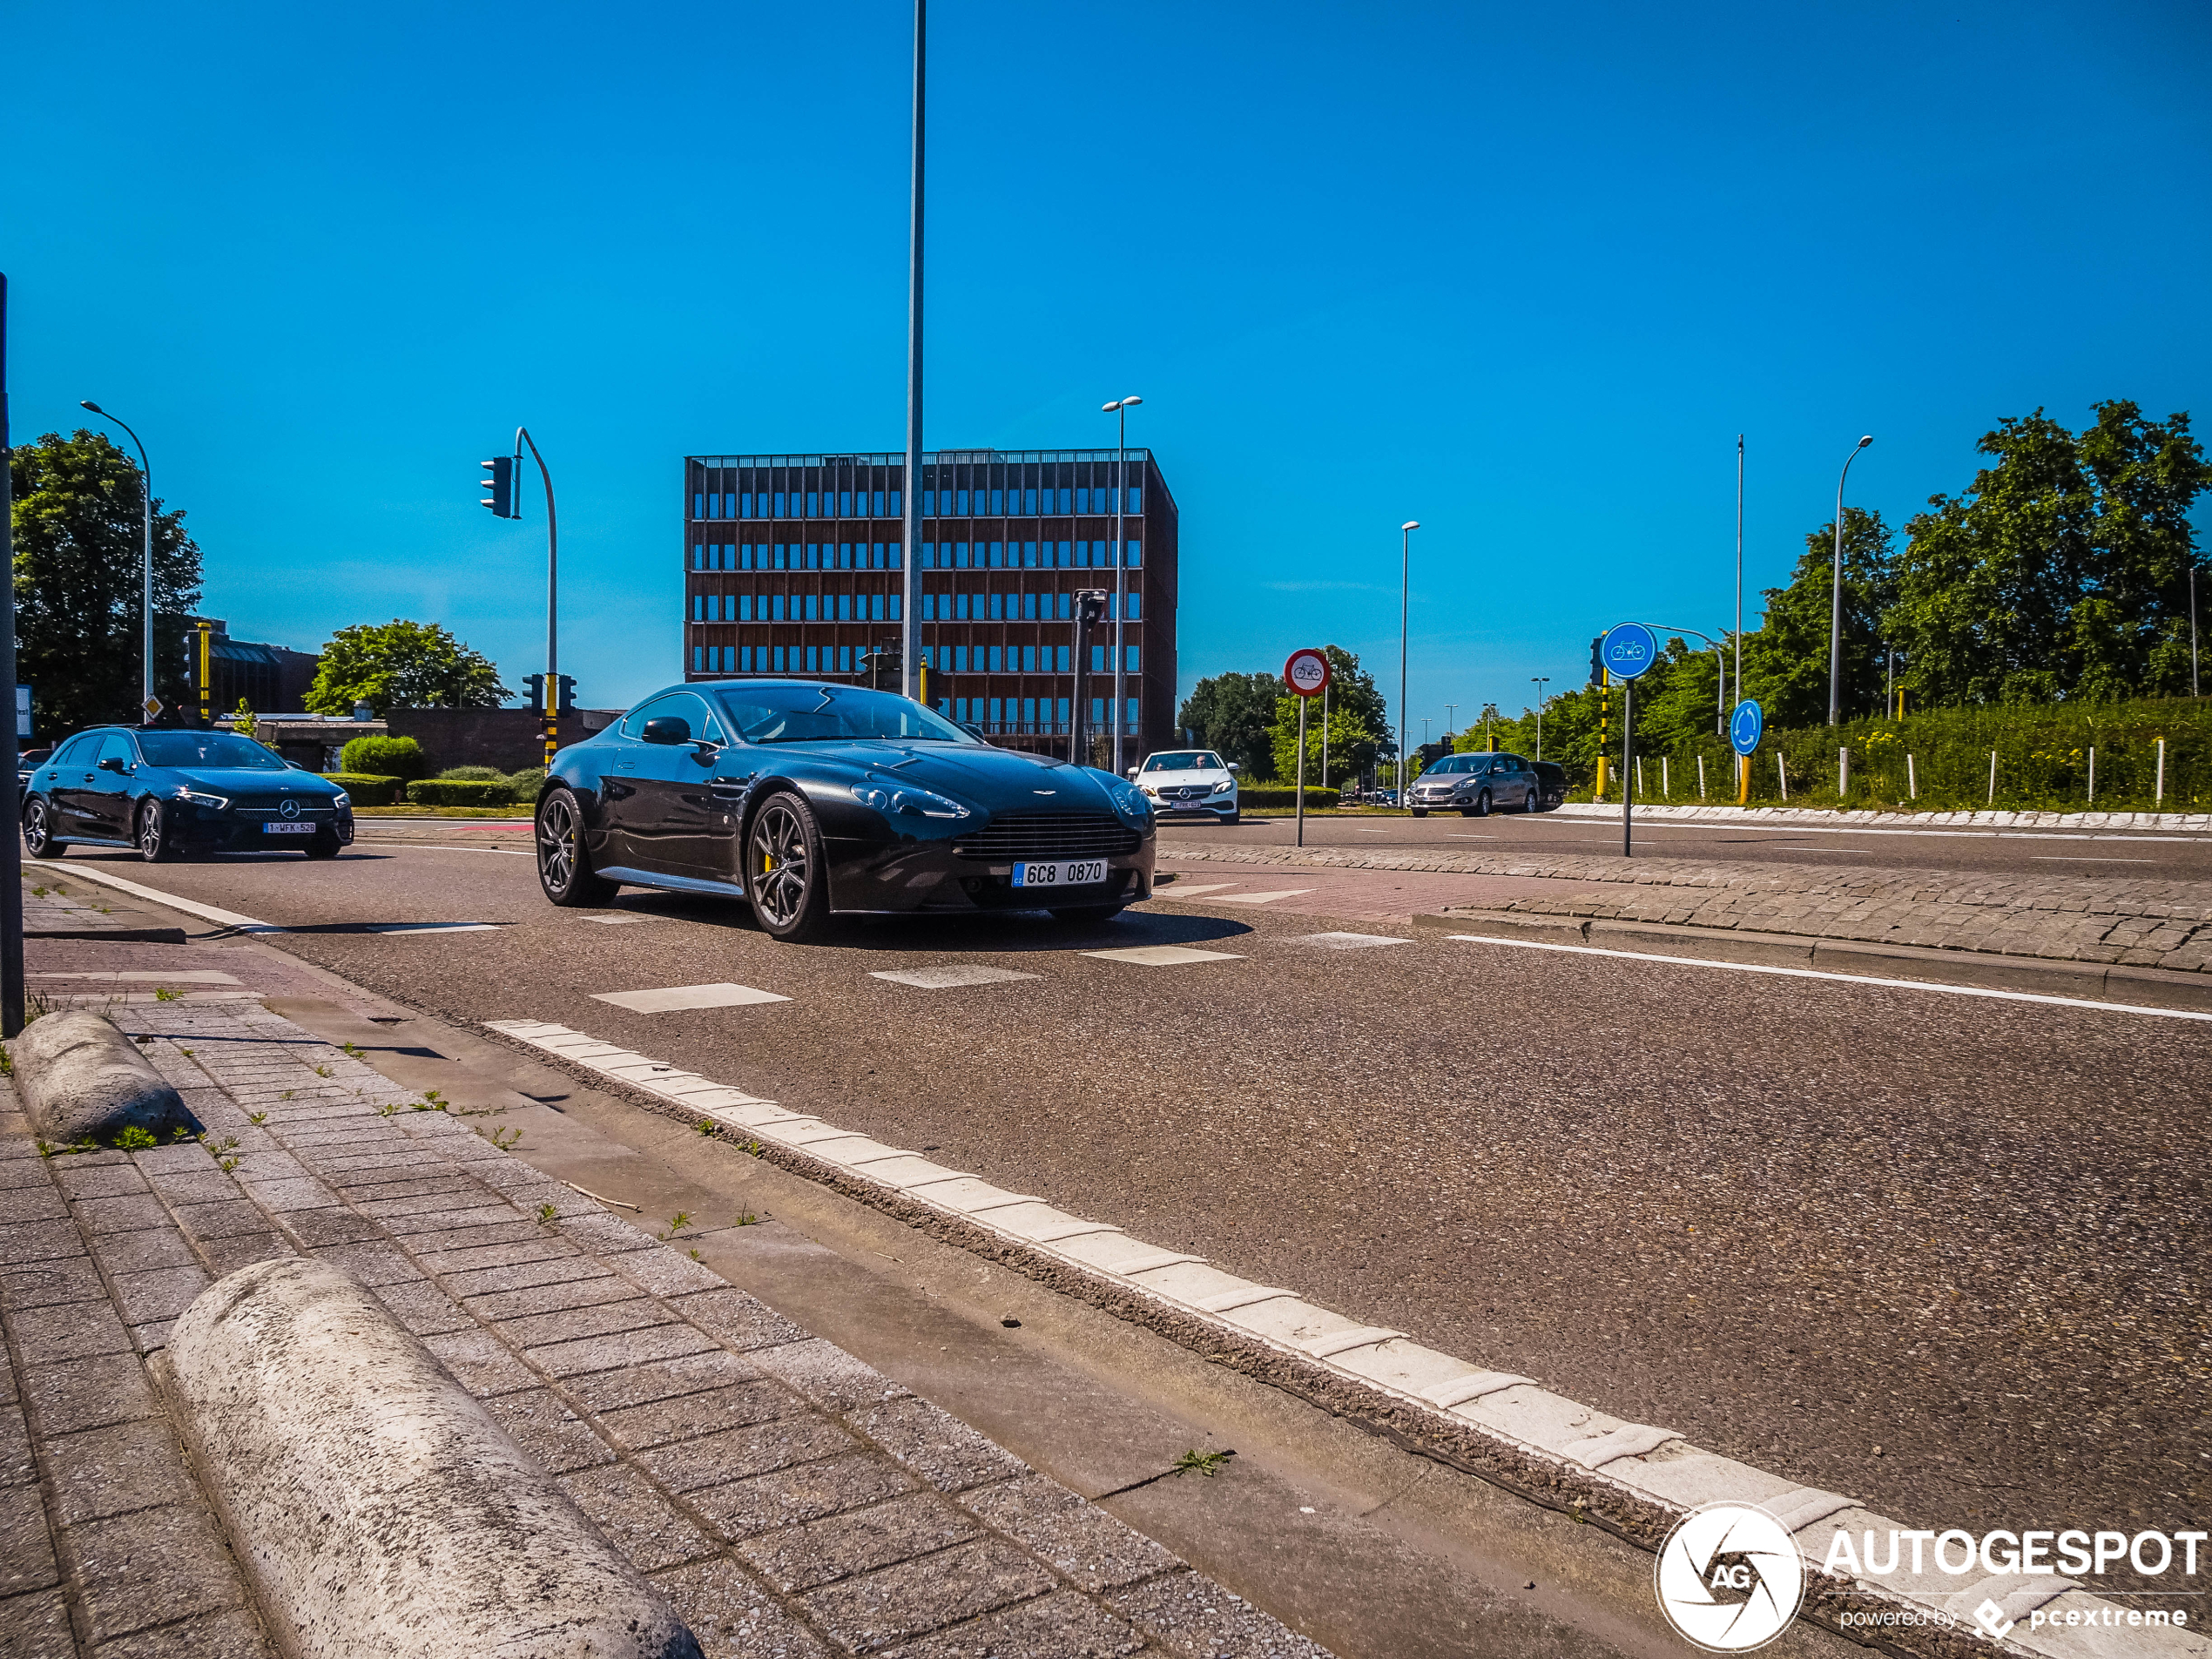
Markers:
point(1523, 273)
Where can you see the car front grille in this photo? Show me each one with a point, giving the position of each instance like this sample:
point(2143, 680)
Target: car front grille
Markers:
point(310, 805)
point(1186, 792)
point(1048, 835)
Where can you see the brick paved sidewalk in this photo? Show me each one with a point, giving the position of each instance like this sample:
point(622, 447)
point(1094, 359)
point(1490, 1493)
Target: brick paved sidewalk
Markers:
point(787, 1497)
point(2136, 922)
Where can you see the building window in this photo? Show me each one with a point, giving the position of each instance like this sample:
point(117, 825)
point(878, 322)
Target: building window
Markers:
point(960, 554)
point(997, 659)
point(1135, 554)
point(1136, 499)
point(1128, 665)
point(898, 604)
point(959, 659)
point(960, 510)
point(1098, 710)
point(1028, 660)
point(1097, 666)
point(1136, 607)
point(1029, 714)
point(698, 659)
point(1060, 653)
point(892, 547)
point(698, 607)
point(1131, 726)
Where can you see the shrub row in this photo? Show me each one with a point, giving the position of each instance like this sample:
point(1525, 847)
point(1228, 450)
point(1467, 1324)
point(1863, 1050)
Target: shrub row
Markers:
point(1266, 796)
point(368, 791)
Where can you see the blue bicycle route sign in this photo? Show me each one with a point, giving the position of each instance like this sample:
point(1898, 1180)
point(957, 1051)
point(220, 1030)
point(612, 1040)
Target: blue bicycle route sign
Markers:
point(1746, 726)
point(1628, 650)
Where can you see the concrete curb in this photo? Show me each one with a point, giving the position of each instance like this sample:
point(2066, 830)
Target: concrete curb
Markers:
point(1632, 1479)
point(376, 1506)
point(2091, 981)
point(2185, 823)
point(80, 1078)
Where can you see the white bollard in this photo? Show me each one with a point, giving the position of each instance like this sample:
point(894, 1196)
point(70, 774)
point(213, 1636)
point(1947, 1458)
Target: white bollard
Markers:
point(1666, 780)
point(1911, 783)
point(1783, 770)
point(1700, 777)
point(1842, 775)
point(1993, 776)
point(2159, 800)
point(2092, 774)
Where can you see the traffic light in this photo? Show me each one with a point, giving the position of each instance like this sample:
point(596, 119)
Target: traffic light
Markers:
point(568, 693)
point(534, 691)
point(501, 482)
point(1597, 661)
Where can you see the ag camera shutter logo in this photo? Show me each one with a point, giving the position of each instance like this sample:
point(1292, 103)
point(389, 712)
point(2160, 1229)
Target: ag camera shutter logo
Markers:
point(1728, 1578)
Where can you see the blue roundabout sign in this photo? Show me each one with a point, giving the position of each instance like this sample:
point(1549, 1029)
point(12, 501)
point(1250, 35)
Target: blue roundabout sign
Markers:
point(1746, 726)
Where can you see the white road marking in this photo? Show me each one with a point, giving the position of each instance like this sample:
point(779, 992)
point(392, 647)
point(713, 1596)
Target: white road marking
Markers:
point(191, 907)
point(1843, 979)
point(945, 979)
point(1262, 897)
point(674, 998)
point(1348, 942)
point(1178, 890)
point(1162, 955)
point(2081, 858)
point(619, 921)
point(1709, 826)
point(1505, 1405)
point(440, 847)
point(388, 927)
point(1457, 836)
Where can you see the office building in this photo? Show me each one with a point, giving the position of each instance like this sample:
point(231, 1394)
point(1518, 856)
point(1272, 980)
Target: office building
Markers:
point(793, 566)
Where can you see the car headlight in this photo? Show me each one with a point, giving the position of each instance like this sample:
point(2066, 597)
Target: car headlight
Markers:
point(1224, 786)
point(341, 799)
point(201, 798)
point(892, 800)
point(1129, 800)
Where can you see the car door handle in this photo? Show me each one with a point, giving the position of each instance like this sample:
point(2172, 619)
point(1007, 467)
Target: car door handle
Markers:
point(730, 788)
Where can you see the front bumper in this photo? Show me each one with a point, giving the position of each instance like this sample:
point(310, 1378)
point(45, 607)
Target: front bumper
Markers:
point(873, 878)
point(231, 830)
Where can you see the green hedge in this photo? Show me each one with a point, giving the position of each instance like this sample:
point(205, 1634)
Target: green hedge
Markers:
point(384, 756)
point(457, 792)
point(1267, 797)
point(366, 788)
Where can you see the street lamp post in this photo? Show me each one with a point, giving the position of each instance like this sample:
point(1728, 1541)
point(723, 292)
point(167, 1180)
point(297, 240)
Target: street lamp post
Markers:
point(1404, 579)
point(145, 490)
point(1739, 567)
point(552, 709)
point(1836, 614)
point(1540, 681)
point(1451, 718)
point(1119, 408)
point(910, 586)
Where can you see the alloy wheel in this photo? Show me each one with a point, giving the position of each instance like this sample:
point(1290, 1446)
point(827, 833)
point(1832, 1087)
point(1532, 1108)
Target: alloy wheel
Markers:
point(150, 831)
point(35, 834)
point(781, 872)
point(557, 844)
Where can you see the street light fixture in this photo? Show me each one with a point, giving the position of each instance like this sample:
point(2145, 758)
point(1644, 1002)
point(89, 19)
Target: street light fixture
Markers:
point(1119, 408)
point(1404, 579)
point(1836, 616)
point(1540, 681)
point(145, 484)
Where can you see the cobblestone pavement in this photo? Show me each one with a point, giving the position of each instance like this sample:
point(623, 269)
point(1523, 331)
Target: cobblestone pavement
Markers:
point(789, 1499)
point(2166, 924)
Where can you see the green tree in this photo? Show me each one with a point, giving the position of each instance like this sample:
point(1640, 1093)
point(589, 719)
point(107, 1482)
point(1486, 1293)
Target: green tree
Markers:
point(1233, 713)
point(402, 666)
point(2062, 572)
point(1785, 662)
point(79, 580)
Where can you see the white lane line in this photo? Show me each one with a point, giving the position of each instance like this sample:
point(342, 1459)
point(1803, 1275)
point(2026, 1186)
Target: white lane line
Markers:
point(1348, 942)
point(2081, 858)
point(385, 927)
point(440, 847)
point(1262, 897)
point(1843, 979)
point(1655, 1463)
point(1709, 825)
point(191, 907)
point(1162, 955)
point(675, 998)
point(945, 979)
point(1456, 836)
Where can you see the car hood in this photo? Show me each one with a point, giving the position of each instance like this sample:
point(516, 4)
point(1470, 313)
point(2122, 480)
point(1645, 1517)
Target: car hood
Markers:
point(245, 780)
point(1207, 776)
point(998, 781)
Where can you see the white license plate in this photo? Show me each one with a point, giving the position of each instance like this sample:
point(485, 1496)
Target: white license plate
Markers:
point(1191, 807)
point(1077, 873)
point(289, 829)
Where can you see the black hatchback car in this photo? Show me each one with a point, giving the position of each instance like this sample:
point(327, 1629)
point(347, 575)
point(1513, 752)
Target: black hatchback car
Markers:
point(171, 792)
point(807, 798)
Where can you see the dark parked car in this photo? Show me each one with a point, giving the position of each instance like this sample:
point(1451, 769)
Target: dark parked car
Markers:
point(1472, 784)
point(1552, 781)
point(171, 792)
point(808, 799)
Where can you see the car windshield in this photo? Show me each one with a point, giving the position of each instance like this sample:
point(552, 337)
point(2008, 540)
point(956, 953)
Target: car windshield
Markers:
point(830, 714)
point(1454, 762)
point(225, 750)
point(1191, 760)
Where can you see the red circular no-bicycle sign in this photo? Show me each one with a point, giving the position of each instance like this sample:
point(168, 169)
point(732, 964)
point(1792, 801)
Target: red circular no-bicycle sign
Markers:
point(1306, 673)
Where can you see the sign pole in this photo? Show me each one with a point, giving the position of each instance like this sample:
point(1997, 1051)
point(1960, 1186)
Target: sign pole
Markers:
point(1307, 675)
point(1627, 768)
point(10, 830)
point(1301, 772)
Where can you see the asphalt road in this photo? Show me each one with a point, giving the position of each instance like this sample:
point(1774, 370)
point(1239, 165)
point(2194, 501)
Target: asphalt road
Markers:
point(1946, 1254)
point(2103, 853)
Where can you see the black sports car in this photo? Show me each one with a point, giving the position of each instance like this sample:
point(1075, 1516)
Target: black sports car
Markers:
point(808, 799)
point(168, 792)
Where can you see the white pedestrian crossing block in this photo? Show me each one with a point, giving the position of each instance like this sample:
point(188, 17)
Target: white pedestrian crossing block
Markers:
point(1163, 955)
point(1261, 897)
point(1348, 942)
point(1180, 890)
point(674, 998)
point(945, 979)
point(616, 922)
point(432, 926)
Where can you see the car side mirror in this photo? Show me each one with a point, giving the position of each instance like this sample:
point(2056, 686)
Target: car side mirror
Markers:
point(703, 750)
point(1235, 765)
point(112, 763)
point(1133, 771)
point(668, 728)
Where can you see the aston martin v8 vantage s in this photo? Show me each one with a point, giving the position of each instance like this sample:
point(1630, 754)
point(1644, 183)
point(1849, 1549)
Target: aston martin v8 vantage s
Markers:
point(808, 800)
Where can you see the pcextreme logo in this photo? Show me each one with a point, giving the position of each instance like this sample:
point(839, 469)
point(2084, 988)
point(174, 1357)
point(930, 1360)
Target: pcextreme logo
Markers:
point(1728, 1578)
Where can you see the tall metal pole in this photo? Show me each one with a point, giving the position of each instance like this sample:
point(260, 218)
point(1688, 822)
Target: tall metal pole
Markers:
point(1121, 563)
point(1540, 681)
point(552, 709)
point(1405, 589)
point(145, 499)
point(910, 627)
point(1739, 567)
point(1836, 616)
point(2193, 630)
point(11, 837)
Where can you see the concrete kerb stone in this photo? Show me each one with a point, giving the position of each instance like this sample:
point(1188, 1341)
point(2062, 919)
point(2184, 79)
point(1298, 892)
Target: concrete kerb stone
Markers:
point(378, 1506)
point(81, 1079)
